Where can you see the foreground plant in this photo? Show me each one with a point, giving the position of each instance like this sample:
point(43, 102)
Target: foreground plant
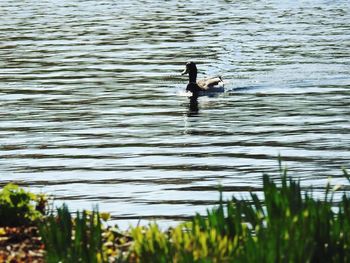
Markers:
point(20, 212)
point(73, 240)
point(289, 225)
point(19, 207)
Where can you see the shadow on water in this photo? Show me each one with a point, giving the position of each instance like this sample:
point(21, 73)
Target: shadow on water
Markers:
point(243, 89)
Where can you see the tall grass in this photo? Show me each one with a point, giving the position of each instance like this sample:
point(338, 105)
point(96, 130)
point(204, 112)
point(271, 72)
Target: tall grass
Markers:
point(73, 240)
point(288, 225)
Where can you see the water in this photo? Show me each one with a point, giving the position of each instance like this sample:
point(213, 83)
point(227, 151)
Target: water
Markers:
point(92, 112)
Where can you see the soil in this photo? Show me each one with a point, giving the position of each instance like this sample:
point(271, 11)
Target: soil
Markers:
point(21, 244)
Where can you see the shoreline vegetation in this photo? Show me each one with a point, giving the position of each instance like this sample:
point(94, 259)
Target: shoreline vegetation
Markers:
point(287, 225)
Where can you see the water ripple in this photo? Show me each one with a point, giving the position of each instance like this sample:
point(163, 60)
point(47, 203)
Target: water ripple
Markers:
point(90, 108)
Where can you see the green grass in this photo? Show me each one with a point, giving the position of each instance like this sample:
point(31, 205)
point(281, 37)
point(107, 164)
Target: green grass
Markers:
point(73, 240)
point(287, 225)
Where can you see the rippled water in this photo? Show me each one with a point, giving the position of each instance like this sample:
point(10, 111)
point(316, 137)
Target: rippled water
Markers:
point(91, 105)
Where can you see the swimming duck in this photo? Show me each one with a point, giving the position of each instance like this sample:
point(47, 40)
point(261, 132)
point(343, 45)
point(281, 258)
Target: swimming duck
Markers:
point(202, 86)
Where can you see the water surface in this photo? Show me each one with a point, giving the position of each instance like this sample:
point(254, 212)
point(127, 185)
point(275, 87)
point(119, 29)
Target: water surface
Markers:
point(92, 112)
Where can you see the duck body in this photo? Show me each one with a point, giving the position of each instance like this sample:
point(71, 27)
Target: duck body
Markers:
point(202, 86)
point(213, 84)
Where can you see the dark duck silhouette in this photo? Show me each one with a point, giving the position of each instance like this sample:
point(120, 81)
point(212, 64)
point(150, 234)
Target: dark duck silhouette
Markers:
point(202, 86)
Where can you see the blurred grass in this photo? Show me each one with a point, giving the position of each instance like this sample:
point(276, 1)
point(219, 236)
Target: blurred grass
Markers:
point(72, 240)
point(287, 225)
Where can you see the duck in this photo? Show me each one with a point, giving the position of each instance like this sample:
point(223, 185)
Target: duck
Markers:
point(202, 86)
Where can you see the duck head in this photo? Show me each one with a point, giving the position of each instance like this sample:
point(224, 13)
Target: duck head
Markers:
point(191, 70)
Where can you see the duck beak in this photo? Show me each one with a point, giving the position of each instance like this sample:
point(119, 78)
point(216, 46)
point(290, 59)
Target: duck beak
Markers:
point(185, 71)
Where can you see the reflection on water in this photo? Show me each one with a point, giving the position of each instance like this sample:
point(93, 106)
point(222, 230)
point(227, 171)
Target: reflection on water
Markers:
point(90, 109)
point(193, 107)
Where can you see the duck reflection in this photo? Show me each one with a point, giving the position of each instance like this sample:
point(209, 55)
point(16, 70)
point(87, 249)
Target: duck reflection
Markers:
point(193, 107)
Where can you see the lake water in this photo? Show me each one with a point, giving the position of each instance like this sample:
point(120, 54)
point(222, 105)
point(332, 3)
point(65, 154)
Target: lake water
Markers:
point(92, 108)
